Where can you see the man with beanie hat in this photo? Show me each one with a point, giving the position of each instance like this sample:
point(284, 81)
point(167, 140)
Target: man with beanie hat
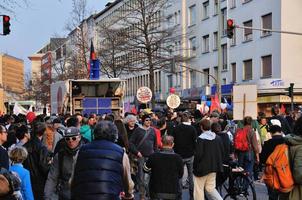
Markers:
point(142, 144)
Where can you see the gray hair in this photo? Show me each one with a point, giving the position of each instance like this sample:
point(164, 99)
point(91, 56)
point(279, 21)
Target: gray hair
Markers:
point(106, 130)
point(130, 118)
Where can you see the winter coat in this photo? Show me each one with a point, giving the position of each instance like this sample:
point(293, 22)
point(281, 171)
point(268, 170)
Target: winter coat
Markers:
point(37, 163)
point(208, 155)
point(295, 143)
point(85, 131)
point(98, 172)
point(57, 184)
point(24, 176)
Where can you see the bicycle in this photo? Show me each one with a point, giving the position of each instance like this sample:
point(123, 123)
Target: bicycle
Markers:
point(238, 185)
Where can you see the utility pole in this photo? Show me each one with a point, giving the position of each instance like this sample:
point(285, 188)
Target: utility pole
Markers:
point(219, 33)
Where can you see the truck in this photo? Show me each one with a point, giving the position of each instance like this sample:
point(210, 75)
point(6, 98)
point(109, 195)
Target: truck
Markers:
point(85, 97)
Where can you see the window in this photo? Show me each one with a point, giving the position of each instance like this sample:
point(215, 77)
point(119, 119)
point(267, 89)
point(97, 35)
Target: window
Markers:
point(224, 56)
point(58, 54)
point(205, 10)
point(266, 66)
point(206, 76)
point(233, 39)
point(267, 24)
point(232, 3)
point(224, 21)
point(234, 74)
point(215, 41)
point(248, 70)
point(170, 81)
point(192, 45)
point(215, 7)
point(205, 42)
point(192, 15)
point(193, 78)
point(248, 33)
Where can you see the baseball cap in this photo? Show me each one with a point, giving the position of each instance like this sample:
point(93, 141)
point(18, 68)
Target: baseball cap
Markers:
point(72, 131)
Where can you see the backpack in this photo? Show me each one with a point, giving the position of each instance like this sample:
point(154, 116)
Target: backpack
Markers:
point(240, 140)
point(277, 173)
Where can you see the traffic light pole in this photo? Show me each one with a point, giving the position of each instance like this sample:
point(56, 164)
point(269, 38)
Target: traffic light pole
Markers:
point(268, 30)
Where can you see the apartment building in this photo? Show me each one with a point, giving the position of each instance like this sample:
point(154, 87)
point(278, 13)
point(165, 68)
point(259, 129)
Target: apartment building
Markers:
point(270, 60)
point(11, 79)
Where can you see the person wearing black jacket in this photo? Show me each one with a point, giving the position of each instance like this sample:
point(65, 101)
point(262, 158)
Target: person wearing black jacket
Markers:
point(166, 169)
point(268, 148)
point(184, 139)
point(4, 161)
point(286, 129)
point(38, 160)
point(208, 160)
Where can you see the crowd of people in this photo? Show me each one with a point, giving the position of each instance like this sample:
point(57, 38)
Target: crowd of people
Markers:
point(152, 155)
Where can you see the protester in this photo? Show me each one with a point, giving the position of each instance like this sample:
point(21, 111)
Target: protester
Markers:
point(131, 125)
point(286, 129)
point(17, 155)
point(23, 135)
point(295, 148)
point(166, 170)
point(38, 160)
point(102, 168)
point(57, 184)
point(85, 130)
point(247, 158)
point(142, 144)
point(184, 138)
point(4, 160)
point(206, 165)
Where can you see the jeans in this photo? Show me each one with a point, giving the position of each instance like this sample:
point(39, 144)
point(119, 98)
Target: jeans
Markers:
point(189, 164)
point(142, 178)
point(246, 161)
point(276, 195)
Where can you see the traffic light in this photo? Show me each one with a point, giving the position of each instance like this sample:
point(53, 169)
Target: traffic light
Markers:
point(290, 90)
point(6, 24)
point(230, 28)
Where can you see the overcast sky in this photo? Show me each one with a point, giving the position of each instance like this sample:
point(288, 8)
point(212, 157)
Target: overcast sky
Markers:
point(32, 27)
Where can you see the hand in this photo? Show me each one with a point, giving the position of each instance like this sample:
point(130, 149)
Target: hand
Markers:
point(139, 155)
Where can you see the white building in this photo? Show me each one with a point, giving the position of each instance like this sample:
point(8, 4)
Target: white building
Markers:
point(270, 60)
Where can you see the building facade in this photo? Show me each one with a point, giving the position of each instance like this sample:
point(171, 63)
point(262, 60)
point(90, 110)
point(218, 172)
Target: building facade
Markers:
point(11, 79)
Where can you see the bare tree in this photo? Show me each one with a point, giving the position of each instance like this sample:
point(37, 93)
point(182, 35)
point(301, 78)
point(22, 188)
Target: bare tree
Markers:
point(149, 38)
point(10, 5)
point(78, 40)
point(110, 50)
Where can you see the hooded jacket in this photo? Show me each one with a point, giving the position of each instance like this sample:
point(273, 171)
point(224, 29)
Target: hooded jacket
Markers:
point(86, 132)
point(295, 146)
point(208, 155)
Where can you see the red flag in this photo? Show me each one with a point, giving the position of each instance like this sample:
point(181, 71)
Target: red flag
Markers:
point(215, 103)
point(92, 52)
point(282, 109)
point(133, 110)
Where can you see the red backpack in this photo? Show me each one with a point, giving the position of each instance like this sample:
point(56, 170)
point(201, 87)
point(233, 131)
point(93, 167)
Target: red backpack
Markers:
point(241, 141)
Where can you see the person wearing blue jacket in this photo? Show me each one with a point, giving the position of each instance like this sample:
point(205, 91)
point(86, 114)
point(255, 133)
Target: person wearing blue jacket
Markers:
point(17, 155)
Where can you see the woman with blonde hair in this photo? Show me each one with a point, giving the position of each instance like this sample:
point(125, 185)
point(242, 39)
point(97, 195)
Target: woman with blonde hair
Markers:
point(17, 155)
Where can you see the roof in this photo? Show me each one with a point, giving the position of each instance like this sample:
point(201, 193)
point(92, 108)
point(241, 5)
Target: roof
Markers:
point(108, 7)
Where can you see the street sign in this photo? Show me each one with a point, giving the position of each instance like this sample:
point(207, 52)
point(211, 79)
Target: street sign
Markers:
point(144, 94)
point(173, 101)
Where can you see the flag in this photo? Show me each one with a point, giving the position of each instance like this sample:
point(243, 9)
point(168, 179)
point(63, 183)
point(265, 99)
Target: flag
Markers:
point(92, 57)
point(92, 52)
point(282, 109)
point(215, 103)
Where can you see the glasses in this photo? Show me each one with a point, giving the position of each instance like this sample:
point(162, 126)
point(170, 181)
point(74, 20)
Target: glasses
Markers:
point(147, 120)
point(71, 138)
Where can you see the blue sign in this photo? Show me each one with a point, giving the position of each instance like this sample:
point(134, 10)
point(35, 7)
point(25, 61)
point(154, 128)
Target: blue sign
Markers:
point(94, 69)
point(225, 89)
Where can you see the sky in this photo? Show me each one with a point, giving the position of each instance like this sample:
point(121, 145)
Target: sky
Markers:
point(33, 26)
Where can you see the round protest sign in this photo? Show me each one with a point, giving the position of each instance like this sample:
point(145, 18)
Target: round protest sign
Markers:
point(173, 101)
point(144, 94)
